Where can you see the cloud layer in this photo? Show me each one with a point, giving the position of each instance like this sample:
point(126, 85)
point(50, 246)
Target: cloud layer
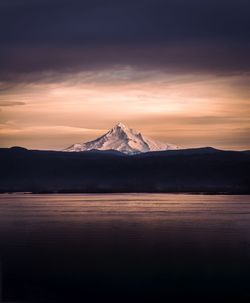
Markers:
point(73, 35)
point(178, 70)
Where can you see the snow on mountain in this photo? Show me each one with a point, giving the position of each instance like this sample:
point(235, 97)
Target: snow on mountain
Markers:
point(123, 139)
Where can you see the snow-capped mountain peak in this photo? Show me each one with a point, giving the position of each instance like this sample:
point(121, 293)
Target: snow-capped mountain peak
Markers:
point(123, 139)
point(122, 126)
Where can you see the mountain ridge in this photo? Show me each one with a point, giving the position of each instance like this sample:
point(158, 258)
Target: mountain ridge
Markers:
point(202, 170)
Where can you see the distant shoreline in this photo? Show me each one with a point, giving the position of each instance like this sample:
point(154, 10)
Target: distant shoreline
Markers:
point(124, 193)
point(203, 171)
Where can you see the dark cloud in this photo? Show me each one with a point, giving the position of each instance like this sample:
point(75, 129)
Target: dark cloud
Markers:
point(73, 35)
point(11, 103)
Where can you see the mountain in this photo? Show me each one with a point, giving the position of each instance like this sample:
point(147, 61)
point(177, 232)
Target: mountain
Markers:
point(122, 139)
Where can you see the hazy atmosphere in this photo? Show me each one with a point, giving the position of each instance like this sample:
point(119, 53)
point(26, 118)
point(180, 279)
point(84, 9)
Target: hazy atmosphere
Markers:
point(178, 71)
point(125, 151)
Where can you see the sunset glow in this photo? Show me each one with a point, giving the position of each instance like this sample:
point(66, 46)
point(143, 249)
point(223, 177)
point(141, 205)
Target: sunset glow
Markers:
point(184, 80)
point(188, 110)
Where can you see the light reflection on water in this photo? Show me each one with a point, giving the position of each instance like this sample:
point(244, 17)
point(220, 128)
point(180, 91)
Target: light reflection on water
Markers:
point(141, 205)
point(129, 243)
point(179, 211)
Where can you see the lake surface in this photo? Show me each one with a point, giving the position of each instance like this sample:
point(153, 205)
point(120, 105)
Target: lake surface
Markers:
point(125, 247)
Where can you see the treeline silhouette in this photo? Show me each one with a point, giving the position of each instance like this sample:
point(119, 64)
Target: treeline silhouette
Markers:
point(201, 170)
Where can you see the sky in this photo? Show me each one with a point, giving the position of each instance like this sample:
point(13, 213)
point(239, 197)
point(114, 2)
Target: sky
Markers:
point(176, 70)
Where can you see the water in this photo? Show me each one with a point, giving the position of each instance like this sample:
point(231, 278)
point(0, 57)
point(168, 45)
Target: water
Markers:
point(125, 247)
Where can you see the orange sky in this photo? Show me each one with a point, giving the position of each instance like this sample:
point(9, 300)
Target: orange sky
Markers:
point(188, 110)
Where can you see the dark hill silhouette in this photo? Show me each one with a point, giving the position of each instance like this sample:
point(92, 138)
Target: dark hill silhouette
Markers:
point(192, 170)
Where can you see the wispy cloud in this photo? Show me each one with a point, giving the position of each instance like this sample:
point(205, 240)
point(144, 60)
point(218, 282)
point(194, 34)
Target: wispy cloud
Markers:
point(11, 103)
point(188, 110)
